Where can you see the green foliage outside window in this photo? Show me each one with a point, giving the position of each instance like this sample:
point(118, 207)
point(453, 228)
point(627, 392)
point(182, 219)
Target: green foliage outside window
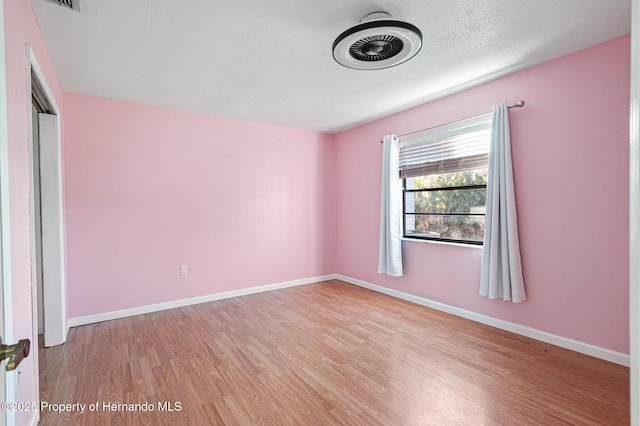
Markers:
point(450, 201)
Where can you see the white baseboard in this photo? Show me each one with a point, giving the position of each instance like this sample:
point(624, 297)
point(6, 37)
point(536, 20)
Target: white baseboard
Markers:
point(106, 316)
point(563, 342)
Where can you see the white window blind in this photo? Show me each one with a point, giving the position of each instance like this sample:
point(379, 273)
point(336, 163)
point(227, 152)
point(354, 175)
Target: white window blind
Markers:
point(464, 148)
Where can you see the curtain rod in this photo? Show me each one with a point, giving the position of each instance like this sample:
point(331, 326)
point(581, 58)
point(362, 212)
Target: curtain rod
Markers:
point(518, 104)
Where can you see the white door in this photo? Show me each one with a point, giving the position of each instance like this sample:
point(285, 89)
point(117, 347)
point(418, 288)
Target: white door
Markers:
point(52, 254)
point(3, 187)
point(3, 419)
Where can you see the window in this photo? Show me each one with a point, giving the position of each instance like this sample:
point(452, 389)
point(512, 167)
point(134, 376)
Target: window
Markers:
point(444, 178)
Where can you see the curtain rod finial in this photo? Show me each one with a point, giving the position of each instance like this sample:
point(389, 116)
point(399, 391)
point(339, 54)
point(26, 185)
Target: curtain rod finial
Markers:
point(519, 104)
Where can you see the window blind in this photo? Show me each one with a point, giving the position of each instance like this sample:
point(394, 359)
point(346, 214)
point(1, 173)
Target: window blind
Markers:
point(465, 148)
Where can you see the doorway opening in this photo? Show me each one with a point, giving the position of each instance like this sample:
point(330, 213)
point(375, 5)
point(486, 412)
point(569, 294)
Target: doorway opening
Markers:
point(47, 222)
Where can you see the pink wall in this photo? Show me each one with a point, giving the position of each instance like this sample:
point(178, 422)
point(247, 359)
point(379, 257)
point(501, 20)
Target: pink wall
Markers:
point(570, 154)
point(21, 29)
point(149, 189)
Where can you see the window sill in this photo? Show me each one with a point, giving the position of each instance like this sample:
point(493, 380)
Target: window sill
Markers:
point(445, 243)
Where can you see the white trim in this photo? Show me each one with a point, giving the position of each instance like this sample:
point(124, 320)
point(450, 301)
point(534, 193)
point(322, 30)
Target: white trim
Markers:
point(634, 216)
point(574, 345)
point(106, 316)
point(32, 141)
point(55, 300)
point(33, 63)
point(442, 243)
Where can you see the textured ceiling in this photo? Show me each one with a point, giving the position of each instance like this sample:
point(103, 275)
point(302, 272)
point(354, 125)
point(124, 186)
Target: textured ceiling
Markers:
point(271, 61)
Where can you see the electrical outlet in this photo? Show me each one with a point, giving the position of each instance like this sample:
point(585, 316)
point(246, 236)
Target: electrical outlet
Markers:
point(183, 270)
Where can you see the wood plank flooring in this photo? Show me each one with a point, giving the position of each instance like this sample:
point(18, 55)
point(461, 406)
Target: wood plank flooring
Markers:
point(326, 354)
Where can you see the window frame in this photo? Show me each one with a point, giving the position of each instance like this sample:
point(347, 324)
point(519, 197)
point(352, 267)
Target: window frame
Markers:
point(439, 239)
point(447, 131)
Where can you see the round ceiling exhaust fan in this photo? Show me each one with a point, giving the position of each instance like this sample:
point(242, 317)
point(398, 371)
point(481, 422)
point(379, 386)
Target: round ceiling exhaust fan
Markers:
point(377, 42)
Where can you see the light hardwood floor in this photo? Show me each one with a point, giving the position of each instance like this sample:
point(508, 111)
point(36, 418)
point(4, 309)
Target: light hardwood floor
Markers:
point(330, 354)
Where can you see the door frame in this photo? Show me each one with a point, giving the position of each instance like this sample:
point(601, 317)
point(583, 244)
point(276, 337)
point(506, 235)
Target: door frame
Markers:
point(53, 244)
point(634, 216)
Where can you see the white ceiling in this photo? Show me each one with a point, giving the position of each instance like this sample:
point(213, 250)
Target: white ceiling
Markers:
point(271, 61)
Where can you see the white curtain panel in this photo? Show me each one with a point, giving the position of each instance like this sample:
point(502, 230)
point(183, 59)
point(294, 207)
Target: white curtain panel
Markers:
point(501, 275)
point(390, 255)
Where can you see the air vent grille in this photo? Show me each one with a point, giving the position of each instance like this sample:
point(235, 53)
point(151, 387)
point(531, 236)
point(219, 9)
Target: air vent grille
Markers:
point(376, 48)
point(69, 4)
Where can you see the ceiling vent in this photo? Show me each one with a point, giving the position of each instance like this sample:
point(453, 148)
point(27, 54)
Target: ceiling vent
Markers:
point(377, 42)
point(68, 4)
